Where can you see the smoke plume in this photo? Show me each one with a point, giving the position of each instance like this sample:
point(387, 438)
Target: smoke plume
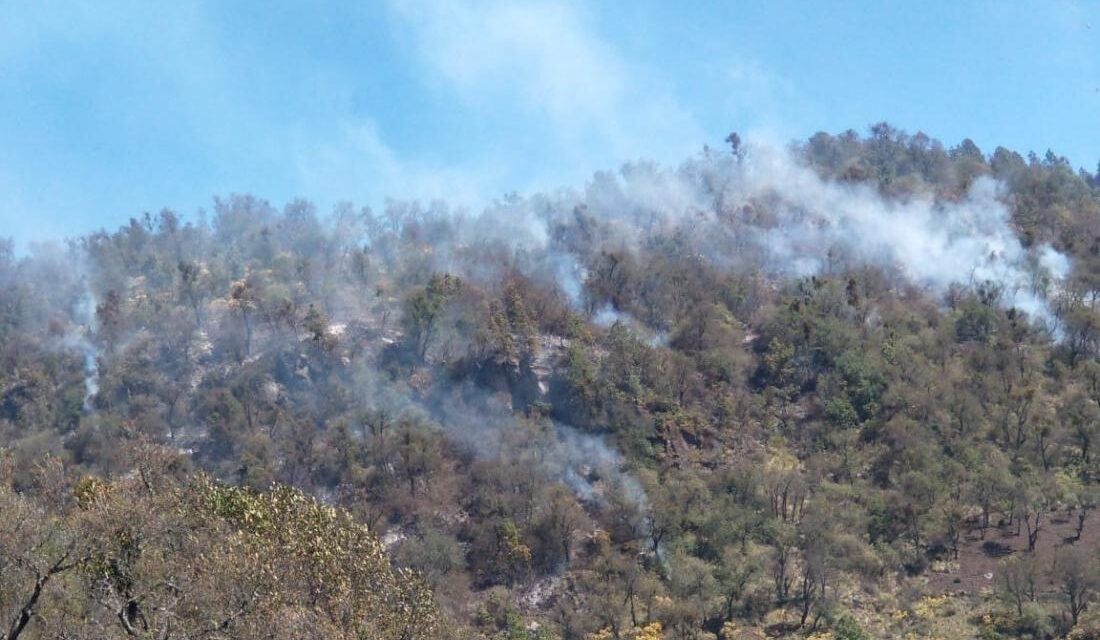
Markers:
point(80, 339)
point(767, 211)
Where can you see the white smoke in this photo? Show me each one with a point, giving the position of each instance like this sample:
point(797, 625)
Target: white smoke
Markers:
point(80, 339)
point(764, 211)
point(484, 424)
point(570, 277)
point(608, 315)
point(582, 461)
point(933, 244)
point(1055, 263)
point(770, 211)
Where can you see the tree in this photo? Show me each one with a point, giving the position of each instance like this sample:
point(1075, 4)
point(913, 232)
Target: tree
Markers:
point(782, 562)
point(1017, 581)
point(1086, 499)
point(163, 556)
point(192, 287)
point(423, 309)
point(990, 483)
point(1081, 497)
point(109, 318)
point(243, 301)
point(512, 555)
point(36, 550)
point(557, 522)
point(1077, 575)
point(734, 142)
point(734, 575)
point(1080, 413)
point(1034, 498)
point(695, 593)
point(316, 324)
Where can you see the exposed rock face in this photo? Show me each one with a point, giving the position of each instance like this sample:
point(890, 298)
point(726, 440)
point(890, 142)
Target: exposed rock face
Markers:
point(550, 351)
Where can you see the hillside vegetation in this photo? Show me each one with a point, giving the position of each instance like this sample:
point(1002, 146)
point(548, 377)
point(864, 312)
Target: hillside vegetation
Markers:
point(849, 389)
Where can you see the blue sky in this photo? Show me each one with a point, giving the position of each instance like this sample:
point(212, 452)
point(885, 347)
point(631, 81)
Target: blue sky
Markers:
point(114, 107)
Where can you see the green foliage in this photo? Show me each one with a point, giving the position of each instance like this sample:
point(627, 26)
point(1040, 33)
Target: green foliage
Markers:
point(976, 322)
point(423, 308)
point(157, 555)
point(845, 627)
point(737, 451)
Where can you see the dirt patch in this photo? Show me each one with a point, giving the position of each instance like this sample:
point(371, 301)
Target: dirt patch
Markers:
point(977, 565)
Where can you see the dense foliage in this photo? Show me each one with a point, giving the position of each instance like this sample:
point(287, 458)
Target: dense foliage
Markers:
point(156, 554)
point(571, 416)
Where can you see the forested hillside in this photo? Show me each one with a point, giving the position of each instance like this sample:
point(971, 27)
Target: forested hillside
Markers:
point(848, 389)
